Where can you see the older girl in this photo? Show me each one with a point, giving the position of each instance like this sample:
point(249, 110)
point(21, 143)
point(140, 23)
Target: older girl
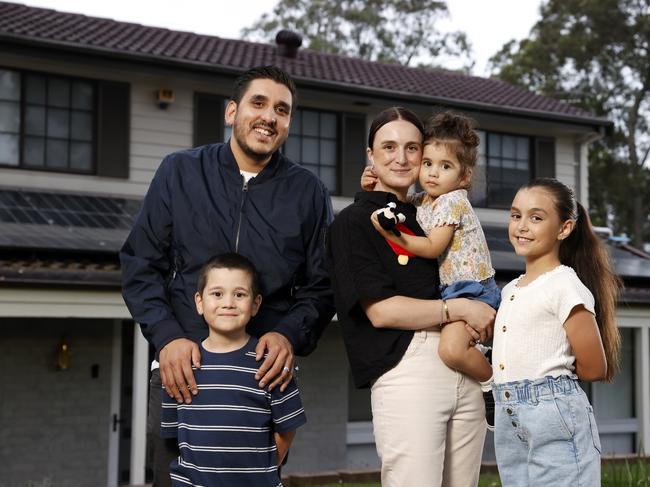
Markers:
point(556, 325)
point(427, 418)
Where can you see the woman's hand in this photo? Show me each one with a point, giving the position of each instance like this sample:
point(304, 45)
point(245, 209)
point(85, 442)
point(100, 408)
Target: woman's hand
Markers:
point(478, 317)
point(368, 179)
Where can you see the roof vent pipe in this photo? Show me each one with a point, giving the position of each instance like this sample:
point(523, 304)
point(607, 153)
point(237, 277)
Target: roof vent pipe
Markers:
point(288, 42)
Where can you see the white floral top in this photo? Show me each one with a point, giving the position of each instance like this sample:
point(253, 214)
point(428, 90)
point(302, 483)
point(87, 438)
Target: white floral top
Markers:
point(467, 258)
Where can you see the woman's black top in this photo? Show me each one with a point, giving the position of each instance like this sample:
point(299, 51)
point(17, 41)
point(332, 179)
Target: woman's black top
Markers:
point(363, 266)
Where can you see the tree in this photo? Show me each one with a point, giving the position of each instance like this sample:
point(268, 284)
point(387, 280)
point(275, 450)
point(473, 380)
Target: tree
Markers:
point(596, 54)
point(400, 31)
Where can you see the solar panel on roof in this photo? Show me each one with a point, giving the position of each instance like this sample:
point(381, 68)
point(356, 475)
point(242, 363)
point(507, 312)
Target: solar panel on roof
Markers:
point(66, 210)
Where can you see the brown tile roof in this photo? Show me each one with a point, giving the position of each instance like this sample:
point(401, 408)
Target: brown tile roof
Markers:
point(20, 23)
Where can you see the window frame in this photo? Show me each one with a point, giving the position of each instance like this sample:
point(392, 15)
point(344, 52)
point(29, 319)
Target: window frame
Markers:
point(485, 142)
point(226, 133)
point(336, 139)
point(22, 134)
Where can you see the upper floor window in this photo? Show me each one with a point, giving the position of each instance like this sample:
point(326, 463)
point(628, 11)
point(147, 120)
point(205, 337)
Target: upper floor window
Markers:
point(504, 164)
point(313, 143)
point(47, 122)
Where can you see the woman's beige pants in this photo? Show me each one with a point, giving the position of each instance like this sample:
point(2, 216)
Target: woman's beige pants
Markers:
point(428, 420)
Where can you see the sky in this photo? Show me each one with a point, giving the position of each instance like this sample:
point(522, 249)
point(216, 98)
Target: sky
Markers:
point(488, 24)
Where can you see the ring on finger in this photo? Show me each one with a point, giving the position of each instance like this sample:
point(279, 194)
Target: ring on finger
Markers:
point(286, 369)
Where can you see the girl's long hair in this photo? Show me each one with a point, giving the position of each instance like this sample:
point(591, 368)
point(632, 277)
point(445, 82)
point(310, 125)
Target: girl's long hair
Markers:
point(585, 253)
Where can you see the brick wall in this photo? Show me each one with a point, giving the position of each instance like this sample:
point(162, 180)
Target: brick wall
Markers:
point(323, 381)
point(54, 424)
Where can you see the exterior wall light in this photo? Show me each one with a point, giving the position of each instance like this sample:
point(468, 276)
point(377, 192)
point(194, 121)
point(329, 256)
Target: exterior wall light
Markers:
point(164, 97)
point(63, 356)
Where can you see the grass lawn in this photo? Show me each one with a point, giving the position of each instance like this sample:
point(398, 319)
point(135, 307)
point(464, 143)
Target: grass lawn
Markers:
point(634, 473)
point(488, 480)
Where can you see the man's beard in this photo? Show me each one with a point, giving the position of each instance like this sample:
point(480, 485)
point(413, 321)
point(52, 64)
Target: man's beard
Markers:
point(239, 133)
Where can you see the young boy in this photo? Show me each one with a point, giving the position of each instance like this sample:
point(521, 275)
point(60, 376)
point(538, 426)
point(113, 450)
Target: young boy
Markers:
point(233, 432)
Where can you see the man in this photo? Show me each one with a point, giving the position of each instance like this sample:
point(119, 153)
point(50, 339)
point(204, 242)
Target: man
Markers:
point(241, 196)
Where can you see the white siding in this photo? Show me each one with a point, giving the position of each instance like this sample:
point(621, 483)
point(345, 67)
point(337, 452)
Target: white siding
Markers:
point(566, 166)
point(61, 303)
point(583, 195)
point(156, 132)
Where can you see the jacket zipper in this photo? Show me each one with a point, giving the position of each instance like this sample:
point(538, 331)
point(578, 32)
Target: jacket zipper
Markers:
point(241, 211)
point(174, 269)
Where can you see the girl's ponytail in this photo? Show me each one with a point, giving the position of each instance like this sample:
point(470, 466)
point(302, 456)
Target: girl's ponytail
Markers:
point(585, 253)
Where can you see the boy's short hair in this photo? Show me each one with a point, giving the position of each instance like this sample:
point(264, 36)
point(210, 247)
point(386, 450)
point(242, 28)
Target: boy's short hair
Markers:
point(456, 132)
point(230, 260)
point(264, 72)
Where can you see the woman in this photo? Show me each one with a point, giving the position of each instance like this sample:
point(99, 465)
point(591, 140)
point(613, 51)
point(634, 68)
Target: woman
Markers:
point(428, 420)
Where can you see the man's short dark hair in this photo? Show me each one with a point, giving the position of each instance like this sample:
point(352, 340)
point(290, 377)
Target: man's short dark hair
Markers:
point(264, 72)
point(229, 260)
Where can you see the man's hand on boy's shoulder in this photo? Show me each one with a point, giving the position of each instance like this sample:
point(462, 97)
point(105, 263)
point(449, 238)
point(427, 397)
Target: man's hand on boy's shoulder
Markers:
point(277, 368)
point(176, 360)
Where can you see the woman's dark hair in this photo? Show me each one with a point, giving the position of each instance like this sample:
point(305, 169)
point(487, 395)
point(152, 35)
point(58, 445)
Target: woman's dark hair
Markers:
point(263, 72)
point(456, 132)
point(585, 253)
point(390, 115)
point(229, 260)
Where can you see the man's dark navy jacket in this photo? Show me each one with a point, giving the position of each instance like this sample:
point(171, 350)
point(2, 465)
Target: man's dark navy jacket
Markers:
point(198, 206)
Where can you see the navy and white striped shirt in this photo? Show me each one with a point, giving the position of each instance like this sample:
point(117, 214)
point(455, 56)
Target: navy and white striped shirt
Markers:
point(226, 434)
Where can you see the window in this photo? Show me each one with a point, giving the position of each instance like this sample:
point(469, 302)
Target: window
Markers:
point(503, 165)
point(47, 122)
point(9, 117)
point(313, 143)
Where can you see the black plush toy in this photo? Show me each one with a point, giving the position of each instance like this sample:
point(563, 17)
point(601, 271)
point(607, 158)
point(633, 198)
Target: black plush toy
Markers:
point(388, 219)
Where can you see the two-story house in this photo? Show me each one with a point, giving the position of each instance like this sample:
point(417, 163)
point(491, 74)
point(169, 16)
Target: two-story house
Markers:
point(89, 107)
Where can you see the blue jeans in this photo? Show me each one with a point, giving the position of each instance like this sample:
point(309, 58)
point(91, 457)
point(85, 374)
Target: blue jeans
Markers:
point(486, 291)
point(546, 434)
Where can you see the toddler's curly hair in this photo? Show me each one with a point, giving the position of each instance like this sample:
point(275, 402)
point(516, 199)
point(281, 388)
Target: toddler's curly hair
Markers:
point(456, 132)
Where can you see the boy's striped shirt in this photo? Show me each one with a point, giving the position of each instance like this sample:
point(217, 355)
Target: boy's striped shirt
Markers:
point(225, 435)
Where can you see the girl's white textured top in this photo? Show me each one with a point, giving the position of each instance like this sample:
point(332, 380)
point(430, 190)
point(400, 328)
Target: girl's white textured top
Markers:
point(467, 257)
point(530, 341)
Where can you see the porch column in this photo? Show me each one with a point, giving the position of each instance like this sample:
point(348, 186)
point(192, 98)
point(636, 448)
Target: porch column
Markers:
point(116, 391)
point(139, 407)
point(642, 386)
